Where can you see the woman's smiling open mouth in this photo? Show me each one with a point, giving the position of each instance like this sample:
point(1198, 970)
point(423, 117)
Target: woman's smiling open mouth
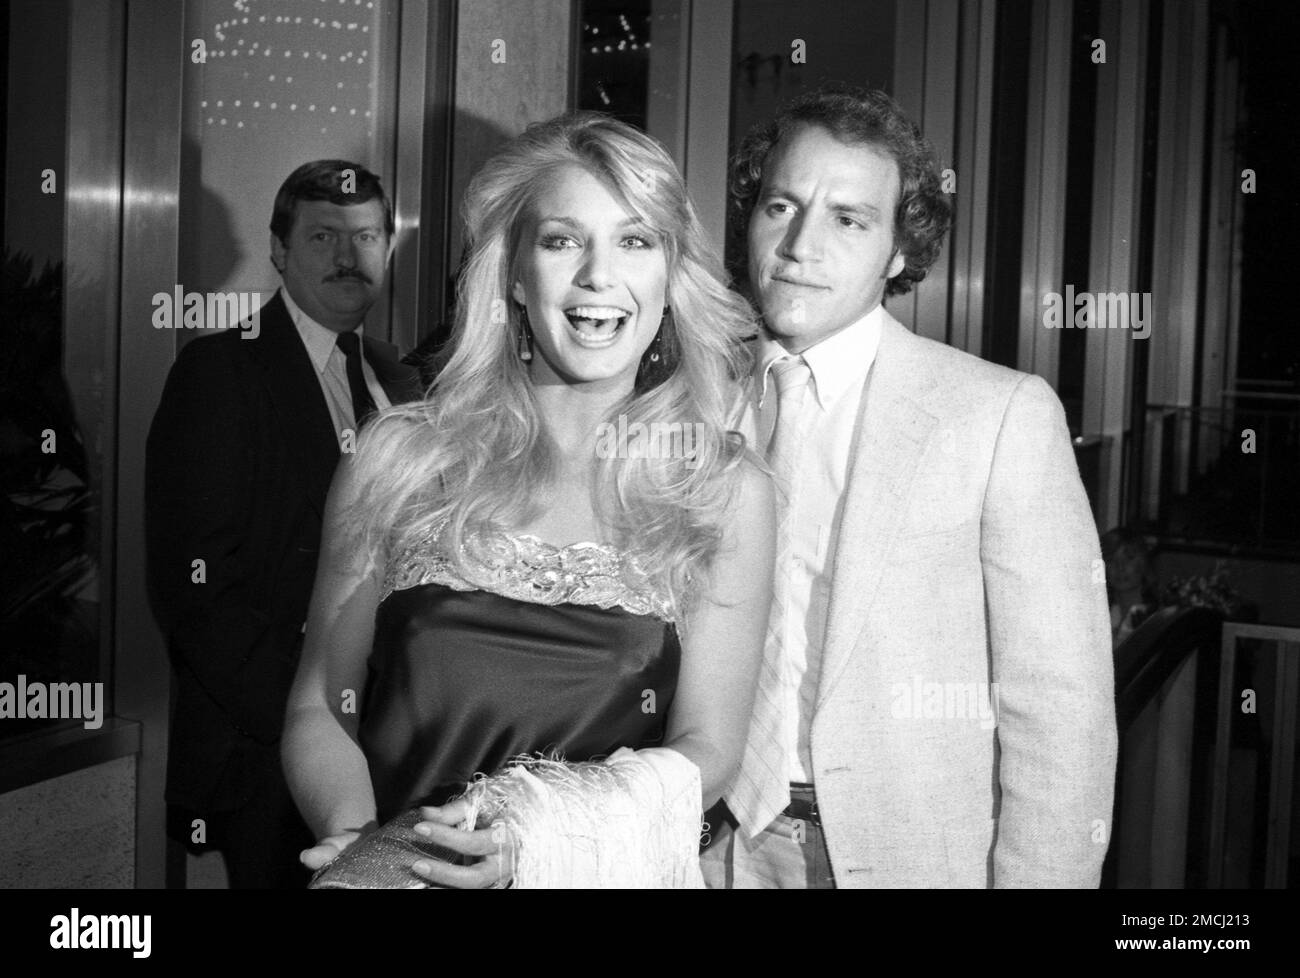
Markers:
point(597, 326)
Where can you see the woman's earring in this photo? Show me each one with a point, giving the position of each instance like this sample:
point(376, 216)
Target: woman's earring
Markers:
point(525, 336)
point(660, 358)
point(654, 345)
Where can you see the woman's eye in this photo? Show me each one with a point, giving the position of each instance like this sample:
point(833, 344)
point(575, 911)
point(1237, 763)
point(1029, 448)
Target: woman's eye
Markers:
point(638, 241)
point(558, 242)
point(777, 208)
point(848, 222)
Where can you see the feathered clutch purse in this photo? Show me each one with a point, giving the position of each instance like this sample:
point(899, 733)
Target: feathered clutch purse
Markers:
point(632, 821)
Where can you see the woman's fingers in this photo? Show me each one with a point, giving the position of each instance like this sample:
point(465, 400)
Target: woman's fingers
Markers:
point(452, 813)
point(480, 842)
point(326, 850)
point(317, 856)
point(483, 874)
point(493, 844)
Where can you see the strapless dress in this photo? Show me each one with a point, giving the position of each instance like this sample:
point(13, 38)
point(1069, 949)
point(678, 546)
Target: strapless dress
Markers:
point(529, 648)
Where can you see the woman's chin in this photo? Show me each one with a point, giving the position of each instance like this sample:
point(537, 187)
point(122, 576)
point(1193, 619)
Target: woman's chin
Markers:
point(579, 362)
point(578, 371)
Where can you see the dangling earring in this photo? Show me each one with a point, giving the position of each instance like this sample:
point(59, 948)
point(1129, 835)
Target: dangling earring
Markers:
point(667, 320)
point(525, 336)
point(660, 358)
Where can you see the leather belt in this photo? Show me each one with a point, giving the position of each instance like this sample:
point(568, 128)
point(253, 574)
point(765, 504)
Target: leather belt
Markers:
point(803, 806)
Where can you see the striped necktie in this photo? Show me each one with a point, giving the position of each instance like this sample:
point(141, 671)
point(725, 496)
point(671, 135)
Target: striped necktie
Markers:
point(762, 789)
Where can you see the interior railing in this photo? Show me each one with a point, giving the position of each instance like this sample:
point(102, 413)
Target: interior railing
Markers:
point(1222, 476)
point(1285, 645)
point(1180, 684)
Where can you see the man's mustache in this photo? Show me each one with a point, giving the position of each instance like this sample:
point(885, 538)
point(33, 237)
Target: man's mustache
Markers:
point(345, 275)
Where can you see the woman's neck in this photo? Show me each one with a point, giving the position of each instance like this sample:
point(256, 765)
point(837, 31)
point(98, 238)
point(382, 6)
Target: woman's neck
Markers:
point(572, 415)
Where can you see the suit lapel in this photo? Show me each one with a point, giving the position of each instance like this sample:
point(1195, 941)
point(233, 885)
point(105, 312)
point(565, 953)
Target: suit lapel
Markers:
point(893, 428)
point(295, 391)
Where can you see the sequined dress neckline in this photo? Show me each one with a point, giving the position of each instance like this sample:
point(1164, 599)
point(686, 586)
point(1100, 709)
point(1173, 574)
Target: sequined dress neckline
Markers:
point(527, 568)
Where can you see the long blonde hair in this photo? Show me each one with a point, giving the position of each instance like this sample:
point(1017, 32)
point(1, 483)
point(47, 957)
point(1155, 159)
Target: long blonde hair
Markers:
point(472, 452)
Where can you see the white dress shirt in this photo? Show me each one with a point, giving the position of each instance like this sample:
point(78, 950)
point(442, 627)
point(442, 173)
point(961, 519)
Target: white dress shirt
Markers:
point(839, 366)
point(332, 368)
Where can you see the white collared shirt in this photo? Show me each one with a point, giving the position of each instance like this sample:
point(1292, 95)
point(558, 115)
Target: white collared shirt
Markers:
point(839, 366)
point(332, 367)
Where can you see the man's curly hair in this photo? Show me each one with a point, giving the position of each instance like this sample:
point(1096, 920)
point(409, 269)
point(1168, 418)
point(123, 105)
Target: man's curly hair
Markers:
point(858, 115)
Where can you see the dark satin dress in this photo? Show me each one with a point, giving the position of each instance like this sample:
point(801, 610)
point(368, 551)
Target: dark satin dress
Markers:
point(529, 648)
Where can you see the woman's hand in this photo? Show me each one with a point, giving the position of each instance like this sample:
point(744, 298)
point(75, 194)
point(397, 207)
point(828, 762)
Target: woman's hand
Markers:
point(327, 850)
point(494, 844)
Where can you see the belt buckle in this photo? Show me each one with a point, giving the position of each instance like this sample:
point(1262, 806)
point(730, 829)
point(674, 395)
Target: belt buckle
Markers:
point(814, 814)
point(804, 809)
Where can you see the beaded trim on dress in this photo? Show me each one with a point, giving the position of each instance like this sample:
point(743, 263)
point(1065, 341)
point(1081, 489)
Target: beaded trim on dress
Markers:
point(525, 568)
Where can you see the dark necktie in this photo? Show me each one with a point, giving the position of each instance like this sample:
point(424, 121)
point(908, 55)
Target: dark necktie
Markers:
point(363, 405)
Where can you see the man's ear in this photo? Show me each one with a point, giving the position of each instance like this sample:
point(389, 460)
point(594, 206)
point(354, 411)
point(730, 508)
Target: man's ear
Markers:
point(896, 264)
point(277, 253)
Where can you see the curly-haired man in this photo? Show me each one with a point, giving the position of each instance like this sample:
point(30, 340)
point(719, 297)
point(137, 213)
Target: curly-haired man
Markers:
point(936, 701)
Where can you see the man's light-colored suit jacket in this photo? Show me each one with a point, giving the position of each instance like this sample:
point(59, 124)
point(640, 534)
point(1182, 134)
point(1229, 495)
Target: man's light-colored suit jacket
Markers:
point(965, 571)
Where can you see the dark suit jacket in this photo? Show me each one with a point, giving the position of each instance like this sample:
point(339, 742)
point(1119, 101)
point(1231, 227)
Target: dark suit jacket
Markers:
point(239, 460)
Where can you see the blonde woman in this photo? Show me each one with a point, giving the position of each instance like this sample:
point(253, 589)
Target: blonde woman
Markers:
point(511, 565)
